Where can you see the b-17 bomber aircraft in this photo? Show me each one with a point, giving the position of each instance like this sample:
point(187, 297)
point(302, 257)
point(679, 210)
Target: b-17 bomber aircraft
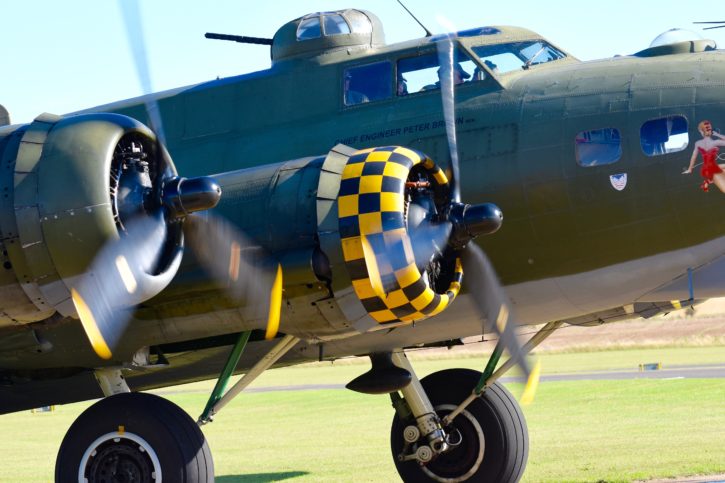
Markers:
point(182, 236)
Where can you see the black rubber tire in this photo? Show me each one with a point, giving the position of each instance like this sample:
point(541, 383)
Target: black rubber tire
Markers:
point(506, 437)
point(174, 437)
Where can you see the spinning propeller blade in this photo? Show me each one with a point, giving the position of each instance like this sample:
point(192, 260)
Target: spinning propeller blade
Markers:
point(479, 275)
point(492, 301)
point(446, 60)
point(122, 274)
point(132, 20)
point(241, 266)
point(116, 282)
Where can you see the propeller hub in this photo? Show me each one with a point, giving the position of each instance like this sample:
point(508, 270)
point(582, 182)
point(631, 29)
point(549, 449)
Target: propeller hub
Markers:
point(470, 221)
point(182, 196)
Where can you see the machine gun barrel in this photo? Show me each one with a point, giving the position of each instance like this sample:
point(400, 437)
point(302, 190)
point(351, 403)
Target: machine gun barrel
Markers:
point(239, 38)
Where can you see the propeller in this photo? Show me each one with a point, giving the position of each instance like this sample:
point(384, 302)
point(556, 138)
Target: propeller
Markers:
point(469, 221)
point(132, 20)
point(154, 209)
point(118, 279)
point(244, 268)
point(441, 228)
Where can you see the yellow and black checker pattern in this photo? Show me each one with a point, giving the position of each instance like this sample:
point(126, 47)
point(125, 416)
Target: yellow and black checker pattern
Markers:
point(375, 242)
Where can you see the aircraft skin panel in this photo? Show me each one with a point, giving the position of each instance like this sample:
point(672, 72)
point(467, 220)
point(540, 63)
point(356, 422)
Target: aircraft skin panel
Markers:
point(702, 282)
point(624, 283)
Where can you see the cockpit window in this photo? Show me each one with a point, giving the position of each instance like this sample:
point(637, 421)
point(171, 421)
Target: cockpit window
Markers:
point(598, 147)
point(421, 73)
point(318, 24)
point(664, 135)
point(517, 55)
point(367, 83)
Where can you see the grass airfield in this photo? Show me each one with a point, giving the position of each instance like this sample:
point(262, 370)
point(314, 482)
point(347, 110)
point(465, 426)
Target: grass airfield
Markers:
point(584, 431)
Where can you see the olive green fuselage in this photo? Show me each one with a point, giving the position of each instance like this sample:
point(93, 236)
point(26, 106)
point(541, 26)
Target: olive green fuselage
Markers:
point(516, 143)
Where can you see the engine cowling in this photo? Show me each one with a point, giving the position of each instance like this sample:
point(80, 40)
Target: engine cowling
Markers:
point(70, 184)
point(367, 230)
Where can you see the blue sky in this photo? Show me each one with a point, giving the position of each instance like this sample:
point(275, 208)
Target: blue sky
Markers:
point(61, 56)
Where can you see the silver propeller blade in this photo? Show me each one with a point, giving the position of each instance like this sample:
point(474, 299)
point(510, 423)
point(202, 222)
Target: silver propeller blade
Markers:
point(447, 62)
point(492, 302)
point(241, 266)
point(135, 34)
point(120, 277)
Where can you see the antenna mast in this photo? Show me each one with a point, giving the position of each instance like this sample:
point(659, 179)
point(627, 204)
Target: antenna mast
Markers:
point(427, 32)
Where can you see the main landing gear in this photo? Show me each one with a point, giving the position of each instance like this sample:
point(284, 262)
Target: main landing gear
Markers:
point(135, 437)
point(142, 438)
point(454, 425)
point(487, 442)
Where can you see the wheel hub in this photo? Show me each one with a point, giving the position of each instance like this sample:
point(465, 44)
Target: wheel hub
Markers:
point(120, 458)
point(121, 462)
point(466, 451)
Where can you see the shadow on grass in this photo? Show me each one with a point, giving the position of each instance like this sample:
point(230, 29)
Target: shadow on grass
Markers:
point(259, 477)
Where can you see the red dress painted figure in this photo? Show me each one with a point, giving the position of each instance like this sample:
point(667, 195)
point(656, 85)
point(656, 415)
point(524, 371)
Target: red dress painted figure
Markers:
point(709, 166)
point(708, 147)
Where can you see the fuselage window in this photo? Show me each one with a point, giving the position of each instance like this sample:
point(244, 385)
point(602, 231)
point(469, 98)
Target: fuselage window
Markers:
point(335, 25)
point(504, 58)
point(664, 135)
point(422, 73)
point(309, 28)
point(360, 24)
point(318, 24)
point(367, 83)
point(598, 147)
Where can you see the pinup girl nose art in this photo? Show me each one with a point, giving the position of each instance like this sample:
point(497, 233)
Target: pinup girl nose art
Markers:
point(708, 147)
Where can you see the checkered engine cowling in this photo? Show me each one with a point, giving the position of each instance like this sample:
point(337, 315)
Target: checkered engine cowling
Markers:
point(375, 241)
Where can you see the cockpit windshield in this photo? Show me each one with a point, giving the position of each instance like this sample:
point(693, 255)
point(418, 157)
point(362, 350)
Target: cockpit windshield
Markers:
point(502, 58)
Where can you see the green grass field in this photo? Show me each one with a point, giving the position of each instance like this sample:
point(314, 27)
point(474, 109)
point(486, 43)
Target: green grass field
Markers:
point(580, 430)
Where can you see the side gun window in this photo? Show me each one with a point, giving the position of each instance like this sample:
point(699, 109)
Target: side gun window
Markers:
point(598, 147)
point(664, 135)
point(367, 83)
